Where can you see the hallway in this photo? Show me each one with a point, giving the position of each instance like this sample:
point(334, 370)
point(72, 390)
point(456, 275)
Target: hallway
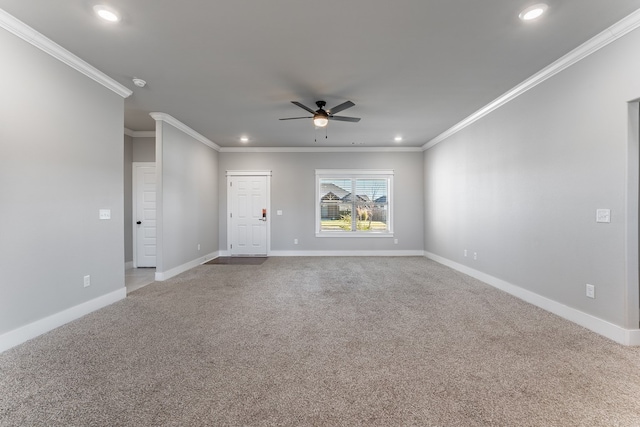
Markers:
point(136, 278)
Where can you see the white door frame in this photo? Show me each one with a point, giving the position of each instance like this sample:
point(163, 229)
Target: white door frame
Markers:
point(234, 173)
point(134, 207)
point(632, 232)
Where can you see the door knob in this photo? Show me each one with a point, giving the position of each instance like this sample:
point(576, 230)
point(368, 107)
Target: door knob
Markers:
point(138, 222)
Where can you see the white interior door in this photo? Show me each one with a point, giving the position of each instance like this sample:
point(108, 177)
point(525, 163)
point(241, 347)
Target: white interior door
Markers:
point(144, 216)
point(248, 215)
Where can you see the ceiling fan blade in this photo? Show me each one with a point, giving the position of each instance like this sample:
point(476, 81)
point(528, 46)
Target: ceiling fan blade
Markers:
point(295, 118)
point(343, 106)
point(344, 119)
point(304, 107)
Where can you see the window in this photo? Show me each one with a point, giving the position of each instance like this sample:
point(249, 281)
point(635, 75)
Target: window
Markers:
point(352, 203)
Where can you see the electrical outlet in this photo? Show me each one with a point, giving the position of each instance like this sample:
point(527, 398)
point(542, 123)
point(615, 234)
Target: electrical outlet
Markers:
point(295, 241)
point(198, 246)
point(591, 291)
point(475, 255)
point(87, 281)
point(465, 253)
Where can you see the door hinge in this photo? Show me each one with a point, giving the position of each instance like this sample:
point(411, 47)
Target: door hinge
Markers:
point(231, 215)
point(230, 246)
point(231, 184)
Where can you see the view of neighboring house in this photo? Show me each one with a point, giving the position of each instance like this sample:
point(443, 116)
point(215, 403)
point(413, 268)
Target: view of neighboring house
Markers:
point(332, 199)
point(337, 202)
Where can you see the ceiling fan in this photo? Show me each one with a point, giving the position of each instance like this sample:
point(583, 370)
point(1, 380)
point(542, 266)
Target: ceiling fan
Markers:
point(321, 116)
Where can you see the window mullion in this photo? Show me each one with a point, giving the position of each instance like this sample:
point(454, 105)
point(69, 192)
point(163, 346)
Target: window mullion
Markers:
point(354, 218)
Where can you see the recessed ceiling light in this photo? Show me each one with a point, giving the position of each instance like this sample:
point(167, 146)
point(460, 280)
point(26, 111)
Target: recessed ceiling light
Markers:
point(397, 139)
point(244, 139)
point(533, 12)
point(106, 13)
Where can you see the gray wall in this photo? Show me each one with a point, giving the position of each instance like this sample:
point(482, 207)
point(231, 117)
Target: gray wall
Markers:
point(293, 192)
point(521, 186)
point(61, 160)
point(144, 149)
point(189, 199)
point(135, 150)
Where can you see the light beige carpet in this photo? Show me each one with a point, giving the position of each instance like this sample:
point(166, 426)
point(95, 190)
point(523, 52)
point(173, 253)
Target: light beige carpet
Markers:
point(320, 341)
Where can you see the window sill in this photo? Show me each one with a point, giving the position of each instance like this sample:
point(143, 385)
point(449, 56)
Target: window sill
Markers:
point(349, 234)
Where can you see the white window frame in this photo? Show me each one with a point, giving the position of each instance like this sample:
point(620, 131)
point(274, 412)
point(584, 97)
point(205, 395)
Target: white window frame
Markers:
point(355, 174)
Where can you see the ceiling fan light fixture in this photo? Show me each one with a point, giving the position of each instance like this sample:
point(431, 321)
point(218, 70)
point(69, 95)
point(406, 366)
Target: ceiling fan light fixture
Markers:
point(533, 12)
point(320, 120)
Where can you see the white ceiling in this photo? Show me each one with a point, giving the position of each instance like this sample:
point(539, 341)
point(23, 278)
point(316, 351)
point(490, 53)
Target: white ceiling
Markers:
point(230, 68)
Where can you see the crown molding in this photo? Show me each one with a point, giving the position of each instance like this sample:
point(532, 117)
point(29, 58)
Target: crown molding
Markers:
point(319, 149)
point(184, 128)
point(611, 34)
point(144, 134)
point(140, 133)
point(28, 34)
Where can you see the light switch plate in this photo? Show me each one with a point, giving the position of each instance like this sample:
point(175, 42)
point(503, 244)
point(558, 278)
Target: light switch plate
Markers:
point(603, 215)
point(278, 212)
point(105, 213)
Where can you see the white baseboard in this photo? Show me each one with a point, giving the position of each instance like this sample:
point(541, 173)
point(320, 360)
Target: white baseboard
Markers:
point(613, 332)
point(347, 253)
point(632, 337)
point(161, 276)
point(24, 333)
point(212, 255)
